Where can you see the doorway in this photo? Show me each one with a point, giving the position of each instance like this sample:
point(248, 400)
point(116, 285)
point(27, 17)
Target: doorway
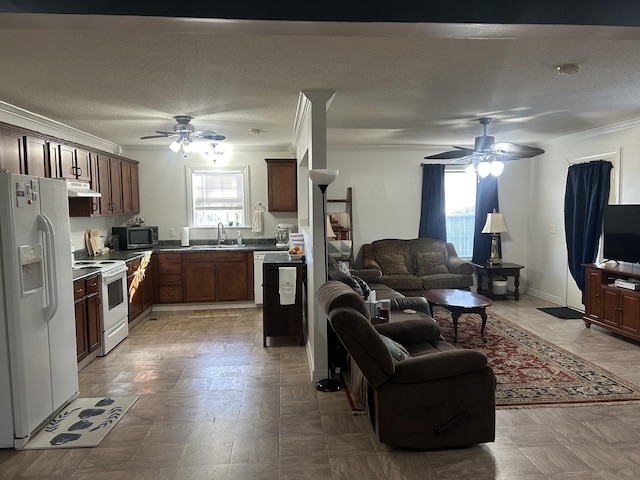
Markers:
point(574, 295)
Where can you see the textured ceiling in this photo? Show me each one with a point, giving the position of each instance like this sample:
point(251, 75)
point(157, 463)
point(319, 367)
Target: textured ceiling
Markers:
point(396, 84)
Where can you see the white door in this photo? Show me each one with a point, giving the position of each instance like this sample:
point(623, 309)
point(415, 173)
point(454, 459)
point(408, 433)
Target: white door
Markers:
point(574, 295)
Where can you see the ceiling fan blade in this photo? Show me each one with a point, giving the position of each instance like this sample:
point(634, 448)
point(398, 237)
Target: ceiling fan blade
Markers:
point(461, 152)
point(154, 136)
point(215, 137)
point(208, 135)
point(516, 150)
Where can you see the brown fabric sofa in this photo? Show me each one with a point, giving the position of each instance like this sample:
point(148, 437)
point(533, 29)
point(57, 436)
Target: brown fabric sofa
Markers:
point(413, 265)
point(436, 397)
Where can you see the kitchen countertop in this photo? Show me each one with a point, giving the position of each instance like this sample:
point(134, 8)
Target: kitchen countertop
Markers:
point(279, 255)
point(128, 255)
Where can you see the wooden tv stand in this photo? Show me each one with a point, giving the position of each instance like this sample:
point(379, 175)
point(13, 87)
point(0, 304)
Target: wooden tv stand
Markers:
point(613, 308)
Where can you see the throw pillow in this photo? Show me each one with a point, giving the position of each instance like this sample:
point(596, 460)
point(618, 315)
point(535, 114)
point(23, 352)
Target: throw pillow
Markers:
point(393, 265)
point(366, 291)
point(397, 351)
point(347, 280)
point(429, 263)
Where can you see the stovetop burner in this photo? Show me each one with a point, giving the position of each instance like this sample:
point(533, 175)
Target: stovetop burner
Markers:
point(106, 267)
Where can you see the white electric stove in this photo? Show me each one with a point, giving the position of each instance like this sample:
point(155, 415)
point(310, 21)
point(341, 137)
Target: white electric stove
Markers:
point(115, 306)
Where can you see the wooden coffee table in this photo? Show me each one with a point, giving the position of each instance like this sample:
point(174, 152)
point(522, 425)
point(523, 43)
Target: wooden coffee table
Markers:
point(459, 302)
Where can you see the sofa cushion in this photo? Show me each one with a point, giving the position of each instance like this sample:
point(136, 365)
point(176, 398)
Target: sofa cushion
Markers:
point(364, 286)
point(451, 280)
point(397, 351)
point(428, 263)
point(403, 282)
point(393, 265)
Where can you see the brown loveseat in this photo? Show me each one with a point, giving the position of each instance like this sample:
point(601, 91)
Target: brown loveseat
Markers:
point(433, 395)
point(411, 266)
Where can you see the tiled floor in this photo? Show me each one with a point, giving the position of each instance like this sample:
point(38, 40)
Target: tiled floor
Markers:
point(214, 404)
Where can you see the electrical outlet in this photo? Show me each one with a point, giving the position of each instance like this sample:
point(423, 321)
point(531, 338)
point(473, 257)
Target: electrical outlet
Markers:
point(172, 232)
point(553, 229)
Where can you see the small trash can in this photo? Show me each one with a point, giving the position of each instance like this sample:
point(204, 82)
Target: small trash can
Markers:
point(499, 286)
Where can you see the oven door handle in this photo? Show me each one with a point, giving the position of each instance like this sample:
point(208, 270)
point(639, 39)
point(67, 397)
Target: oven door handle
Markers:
point(46, 226)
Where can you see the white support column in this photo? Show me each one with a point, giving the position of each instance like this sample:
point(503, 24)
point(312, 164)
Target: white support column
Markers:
point(310, 138)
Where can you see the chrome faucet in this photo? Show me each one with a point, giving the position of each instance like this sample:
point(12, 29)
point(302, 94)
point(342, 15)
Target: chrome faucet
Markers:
point(221, 233)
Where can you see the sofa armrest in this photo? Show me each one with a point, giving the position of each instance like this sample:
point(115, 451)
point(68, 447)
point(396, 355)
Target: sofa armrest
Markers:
point(369, 275)
point(439, 365)
point(419, 304)
point(409, 332)
point(460, 266)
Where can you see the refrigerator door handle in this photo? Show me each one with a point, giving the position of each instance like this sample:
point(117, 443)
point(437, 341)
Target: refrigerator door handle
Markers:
point(50, 247)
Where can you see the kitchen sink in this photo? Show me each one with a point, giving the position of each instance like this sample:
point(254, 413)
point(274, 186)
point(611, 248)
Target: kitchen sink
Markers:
point(212, 247)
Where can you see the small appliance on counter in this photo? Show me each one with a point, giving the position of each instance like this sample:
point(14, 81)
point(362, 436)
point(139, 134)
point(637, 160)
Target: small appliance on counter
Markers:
point(132, 237)
point(283, 230)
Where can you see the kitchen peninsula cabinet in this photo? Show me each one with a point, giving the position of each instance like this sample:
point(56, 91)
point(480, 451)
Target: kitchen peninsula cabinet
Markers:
point(279, 316)
point(611, 307)
point(217, 277)
point(86, 297)
point(282, 184)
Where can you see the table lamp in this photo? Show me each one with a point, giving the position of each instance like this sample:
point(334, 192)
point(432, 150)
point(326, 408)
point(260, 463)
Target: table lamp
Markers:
point(495, 226)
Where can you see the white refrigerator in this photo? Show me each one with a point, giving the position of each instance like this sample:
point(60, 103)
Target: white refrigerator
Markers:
point(38, 367)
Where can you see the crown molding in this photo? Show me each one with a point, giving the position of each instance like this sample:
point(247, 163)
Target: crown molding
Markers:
point(24, 118)
point(614, 127)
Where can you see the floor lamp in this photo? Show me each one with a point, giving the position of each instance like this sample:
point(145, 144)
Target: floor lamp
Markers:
point(323, 178)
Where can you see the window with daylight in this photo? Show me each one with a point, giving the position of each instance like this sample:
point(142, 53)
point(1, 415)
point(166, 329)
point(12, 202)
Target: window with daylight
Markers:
point(217, 195)
point(460, 207)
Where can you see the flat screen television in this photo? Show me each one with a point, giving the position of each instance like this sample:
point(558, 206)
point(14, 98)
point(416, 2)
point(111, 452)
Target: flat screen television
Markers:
point(621, 232)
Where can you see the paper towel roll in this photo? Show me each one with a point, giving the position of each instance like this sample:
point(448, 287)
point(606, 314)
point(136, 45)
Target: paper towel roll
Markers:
point(184, 237)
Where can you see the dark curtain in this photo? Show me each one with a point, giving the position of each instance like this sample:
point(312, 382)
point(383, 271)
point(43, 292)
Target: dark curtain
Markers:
point(486, 202)
point(584, 200)
point(433, 221)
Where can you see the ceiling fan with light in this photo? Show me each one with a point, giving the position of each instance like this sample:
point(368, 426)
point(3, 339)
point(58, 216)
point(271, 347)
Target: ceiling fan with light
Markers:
point(186, 135)
point(487, 155)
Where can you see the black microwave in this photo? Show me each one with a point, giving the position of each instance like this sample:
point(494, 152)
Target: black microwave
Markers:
point(140, 236)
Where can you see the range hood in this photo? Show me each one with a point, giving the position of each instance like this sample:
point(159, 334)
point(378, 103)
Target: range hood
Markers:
point(80, 189)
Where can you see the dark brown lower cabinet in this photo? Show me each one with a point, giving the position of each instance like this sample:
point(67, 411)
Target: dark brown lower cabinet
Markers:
point(86, 294)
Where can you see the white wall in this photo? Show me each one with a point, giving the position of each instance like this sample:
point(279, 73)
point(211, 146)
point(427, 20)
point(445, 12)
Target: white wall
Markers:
point(546, 263)
point(163, 195)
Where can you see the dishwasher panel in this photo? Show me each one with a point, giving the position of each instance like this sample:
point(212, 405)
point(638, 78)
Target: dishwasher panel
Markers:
point(258, 259)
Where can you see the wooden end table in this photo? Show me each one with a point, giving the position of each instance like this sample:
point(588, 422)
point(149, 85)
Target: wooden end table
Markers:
point(491, 271)
point(459, 302)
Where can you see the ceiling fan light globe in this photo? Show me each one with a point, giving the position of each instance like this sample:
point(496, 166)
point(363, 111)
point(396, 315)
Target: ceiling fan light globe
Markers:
point(470, 170)
point(497, 167)
point(484, 169)
point(175, 146)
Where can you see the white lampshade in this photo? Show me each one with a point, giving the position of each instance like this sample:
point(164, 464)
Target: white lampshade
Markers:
point(494, 224)
point(175, 146)
point(484, 169)
point(497, 167)
point(323, 176)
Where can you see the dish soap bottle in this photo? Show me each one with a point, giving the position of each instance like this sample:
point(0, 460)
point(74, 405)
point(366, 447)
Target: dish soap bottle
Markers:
point(239, 238)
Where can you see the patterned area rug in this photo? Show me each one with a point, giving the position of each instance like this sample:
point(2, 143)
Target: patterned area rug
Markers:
point(532, 371)
point(84, 423)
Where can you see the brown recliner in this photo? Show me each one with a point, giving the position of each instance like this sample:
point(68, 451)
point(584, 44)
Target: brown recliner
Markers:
point(439, 397)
